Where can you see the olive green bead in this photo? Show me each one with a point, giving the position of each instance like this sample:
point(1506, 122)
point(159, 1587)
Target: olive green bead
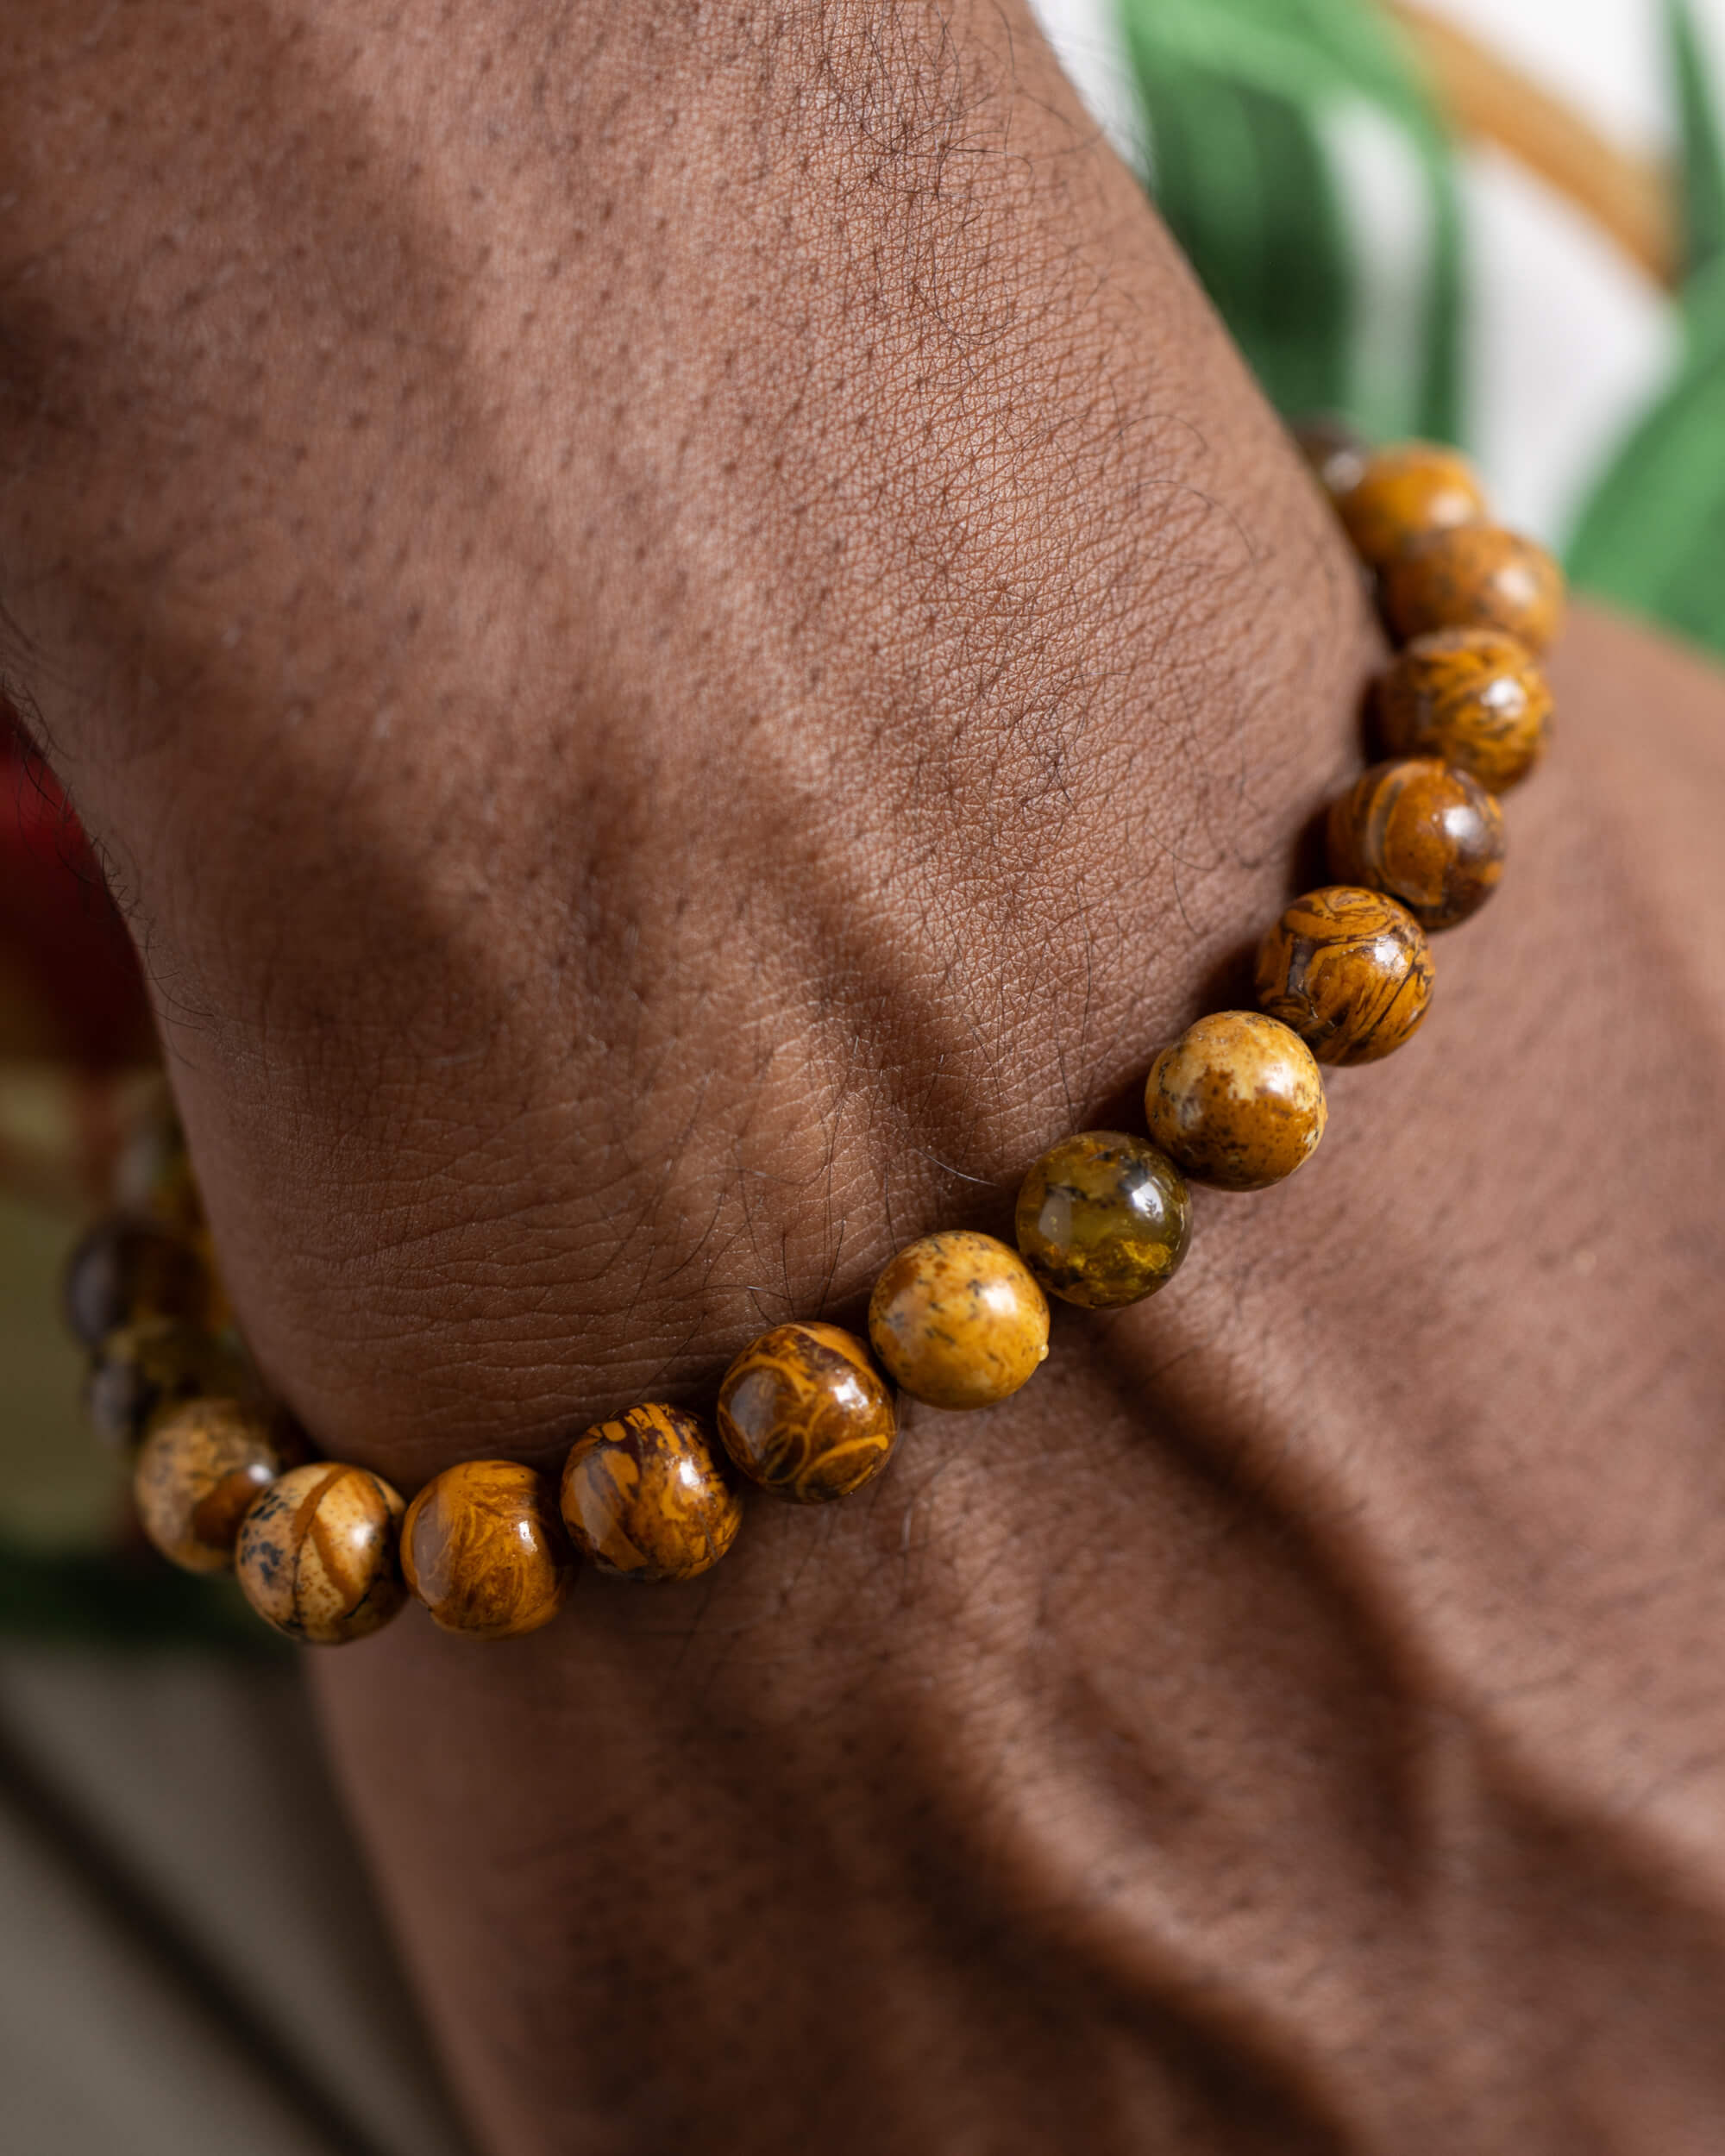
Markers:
point(1104, 1219)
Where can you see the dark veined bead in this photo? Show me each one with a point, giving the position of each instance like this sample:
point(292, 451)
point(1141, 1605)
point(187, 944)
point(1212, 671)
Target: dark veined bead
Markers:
point(1428, 834)
point(645, 1496)
point(483, 1547)
point(1475, 697)
point(804, 1413)
point(1348, 969)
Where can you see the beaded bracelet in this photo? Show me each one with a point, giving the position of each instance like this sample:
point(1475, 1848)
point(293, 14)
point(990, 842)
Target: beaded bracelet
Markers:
point(959, 1319)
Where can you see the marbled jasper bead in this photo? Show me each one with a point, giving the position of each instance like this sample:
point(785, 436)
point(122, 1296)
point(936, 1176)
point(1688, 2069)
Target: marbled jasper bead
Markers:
point(646, 1497)
point(141, 1369)
point(318, 1554)
point(1474, 697)
point(1337, 454)
point(1236, 1101)
point(126, 1269)
point(1477, 576)
point(804, 1413)
point(1103, 1220)
point(958, 1320)
point(1349, 970)
point(200, 1468)
point(1428, 834)
point(483, 1547)
point(1404, 493)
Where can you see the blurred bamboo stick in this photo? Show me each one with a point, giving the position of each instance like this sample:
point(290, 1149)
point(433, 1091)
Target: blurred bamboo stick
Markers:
point(1630, 197)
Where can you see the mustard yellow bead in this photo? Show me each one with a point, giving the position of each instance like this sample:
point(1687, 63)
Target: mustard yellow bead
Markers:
point(804, 1413)
point(645, 1496)
point(1474, 697)
point(1475, 576)
point(1103, 1220)
point(1237, 1101)
point(482, 1546)
point(318, 1554)
point(958, 1320)
point(1405, 492)
point(200, 1469)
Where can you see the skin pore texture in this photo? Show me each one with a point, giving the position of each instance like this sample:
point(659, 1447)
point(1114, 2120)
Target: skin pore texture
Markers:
point(687, 643)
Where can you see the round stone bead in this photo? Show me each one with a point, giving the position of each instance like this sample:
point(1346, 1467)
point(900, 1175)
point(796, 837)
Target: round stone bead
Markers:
point(154, 1173)
point(1237, 1101)
point(958, 1320)
point(198, 1473)
point(126, 1269)
point(318, 1554)
point(804, 1413)
point(1477, 576)
point(1338, 456)
point(1104, 1219)
point(1405, 492)
point(141, 1369)
point(1474, 697)
point(646, 1497)
point(1428, 834)
point(483, 1547)
point(1349, 970)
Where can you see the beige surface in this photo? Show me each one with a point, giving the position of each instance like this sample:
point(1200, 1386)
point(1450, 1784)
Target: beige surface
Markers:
point(197, 1778)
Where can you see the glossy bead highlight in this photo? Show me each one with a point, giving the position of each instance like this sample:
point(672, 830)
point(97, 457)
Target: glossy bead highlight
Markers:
point(1475, 697)
point(1237, 1101)
point(201, 1467)
point(1348, 969)
point(318, 1555)
point(1104, 1219)
point(645, 1496)
point(1428, 834)
point(483, 1547)
point(958, 1320)
point(804, 1413)
point(1406, 492)
point(1477, 576)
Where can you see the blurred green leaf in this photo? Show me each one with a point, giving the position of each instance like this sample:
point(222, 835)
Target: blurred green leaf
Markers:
point(1237, 95)
point(123, 1601)
point(1703, 157)
point(1651, 536)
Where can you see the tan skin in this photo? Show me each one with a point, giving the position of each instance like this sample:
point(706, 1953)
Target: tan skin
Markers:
point(686, 644)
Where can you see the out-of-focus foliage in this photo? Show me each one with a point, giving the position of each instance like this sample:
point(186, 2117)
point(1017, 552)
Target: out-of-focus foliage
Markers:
point(1652, 535)
point(1243, 100)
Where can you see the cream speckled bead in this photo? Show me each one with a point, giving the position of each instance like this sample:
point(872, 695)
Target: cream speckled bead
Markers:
point(318, 1554)
point(1237, 1101)
point(958, 1321)
point(202, 1466)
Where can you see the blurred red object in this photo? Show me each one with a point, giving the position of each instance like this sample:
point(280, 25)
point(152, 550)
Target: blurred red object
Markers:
point(70, 989)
